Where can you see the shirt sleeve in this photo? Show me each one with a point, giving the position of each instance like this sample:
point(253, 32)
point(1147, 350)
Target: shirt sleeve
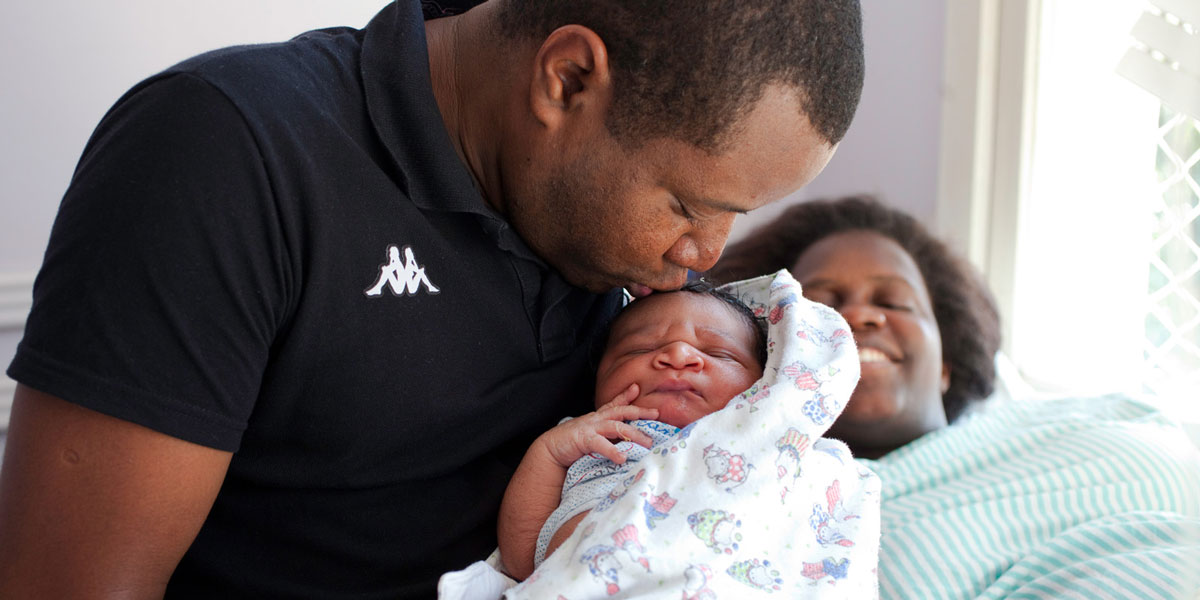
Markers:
point(165, 277)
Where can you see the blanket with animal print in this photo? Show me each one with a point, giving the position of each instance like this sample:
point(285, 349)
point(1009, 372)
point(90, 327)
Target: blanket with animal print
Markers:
point(749, 501)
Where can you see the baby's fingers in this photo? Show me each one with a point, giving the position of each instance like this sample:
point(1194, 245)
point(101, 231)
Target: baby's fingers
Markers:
point(626, 397)
point(629, 433)
point(628, 412)
point(605, 448)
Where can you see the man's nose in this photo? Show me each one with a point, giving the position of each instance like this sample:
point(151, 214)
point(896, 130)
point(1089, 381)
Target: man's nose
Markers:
point(862, 315)
point(680, 356)
point(699, 248)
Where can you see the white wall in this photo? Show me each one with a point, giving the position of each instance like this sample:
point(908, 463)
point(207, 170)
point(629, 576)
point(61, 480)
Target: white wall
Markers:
point(65, 63)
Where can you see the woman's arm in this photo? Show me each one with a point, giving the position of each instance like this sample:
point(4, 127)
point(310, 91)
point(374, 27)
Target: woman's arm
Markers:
point(536, 487)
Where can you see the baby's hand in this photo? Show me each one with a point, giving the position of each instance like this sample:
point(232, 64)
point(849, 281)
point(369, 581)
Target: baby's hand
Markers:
point(590, 433)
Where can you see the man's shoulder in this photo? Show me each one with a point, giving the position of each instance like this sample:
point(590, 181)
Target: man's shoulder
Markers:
point(318, 66)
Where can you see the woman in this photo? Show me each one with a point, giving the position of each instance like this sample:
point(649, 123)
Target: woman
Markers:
point(926, 327)
point(1068, 497)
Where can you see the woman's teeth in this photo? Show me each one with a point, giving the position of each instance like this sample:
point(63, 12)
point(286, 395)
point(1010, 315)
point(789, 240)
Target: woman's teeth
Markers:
point(871, 355)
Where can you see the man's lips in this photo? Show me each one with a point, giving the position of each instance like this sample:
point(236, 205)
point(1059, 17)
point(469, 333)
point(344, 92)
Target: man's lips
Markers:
point(668, 283)
point(638, 290)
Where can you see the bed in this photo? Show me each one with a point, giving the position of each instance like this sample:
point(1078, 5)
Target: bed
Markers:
point(1037, 497)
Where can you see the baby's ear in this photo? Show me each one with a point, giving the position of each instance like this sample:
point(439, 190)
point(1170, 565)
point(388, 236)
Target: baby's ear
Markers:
point(945, 377)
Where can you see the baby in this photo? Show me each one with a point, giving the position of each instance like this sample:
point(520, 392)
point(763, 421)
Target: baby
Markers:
point(671, 359)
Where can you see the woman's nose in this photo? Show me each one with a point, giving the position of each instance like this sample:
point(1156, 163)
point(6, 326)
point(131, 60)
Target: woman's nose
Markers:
point(862, 315)
point(680, 356)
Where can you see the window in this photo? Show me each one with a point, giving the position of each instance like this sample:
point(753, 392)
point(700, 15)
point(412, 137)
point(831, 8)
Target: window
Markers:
point(1172, 329)
point(1075, 189)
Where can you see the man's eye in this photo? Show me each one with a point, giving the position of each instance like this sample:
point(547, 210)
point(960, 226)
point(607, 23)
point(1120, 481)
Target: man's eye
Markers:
point(683, 209)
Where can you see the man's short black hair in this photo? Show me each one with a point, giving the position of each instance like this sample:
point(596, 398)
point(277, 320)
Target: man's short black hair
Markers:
point(689, 69)
point(965, 311)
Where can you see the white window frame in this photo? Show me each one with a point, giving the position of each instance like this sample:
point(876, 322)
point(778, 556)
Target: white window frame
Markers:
point(989, 92)
point(990, 73)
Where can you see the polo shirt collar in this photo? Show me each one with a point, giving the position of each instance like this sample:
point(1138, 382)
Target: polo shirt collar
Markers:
point(405, 114)
point(404, 111)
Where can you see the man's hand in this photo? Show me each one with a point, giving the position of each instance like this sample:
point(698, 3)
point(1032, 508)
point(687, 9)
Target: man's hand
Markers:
point(593, 433)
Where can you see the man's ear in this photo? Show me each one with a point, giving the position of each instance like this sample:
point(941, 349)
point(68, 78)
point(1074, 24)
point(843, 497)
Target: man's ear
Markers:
point(945, 377)
point(571, 74)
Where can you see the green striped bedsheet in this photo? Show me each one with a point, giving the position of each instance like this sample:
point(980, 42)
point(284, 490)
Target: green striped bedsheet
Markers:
point(1066, 498)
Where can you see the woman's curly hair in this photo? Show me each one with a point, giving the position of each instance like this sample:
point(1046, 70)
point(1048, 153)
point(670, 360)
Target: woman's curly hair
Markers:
point(965, 311)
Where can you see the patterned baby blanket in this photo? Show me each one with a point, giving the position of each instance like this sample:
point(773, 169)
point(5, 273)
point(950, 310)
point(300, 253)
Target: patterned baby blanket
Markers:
point(749, 501)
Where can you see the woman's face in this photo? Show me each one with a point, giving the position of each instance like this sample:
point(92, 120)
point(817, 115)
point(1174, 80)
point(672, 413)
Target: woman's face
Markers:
point(878, 289)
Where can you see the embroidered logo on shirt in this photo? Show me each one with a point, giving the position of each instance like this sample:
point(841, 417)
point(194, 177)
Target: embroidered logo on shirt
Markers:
point(402, 277)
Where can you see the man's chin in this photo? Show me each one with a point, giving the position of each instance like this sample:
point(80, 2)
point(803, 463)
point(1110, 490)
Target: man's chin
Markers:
point(596, 285)
point(588, 282)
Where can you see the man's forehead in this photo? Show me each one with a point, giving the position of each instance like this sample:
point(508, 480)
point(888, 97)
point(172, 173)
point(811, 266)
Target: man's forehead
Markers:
point(773, 151)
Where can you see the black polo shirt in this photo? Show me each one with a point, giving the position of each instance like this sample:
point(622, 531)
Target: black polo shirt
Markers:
point(275, 250)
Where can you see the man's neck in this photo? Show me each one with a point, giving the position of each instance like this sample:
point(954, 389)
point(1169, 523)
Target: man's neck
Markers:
point(465, 63)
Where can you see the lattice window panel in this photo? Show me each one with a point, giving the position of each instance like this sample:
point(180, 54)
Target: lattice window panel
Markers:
point(1172, 340)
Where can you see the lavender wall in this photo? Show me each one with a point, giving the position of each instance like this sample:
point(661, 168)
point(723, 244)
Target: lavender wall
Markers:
point(892, 147)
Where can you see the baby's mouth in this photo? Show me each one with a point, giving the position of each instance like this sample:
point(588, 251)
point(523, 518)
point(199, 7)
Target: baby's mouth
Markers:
point(675, 387)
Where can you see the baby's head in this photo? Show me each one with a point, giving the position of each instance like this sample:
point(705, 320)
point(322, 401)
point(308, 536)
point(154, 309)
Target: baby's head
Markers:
point(689, 352)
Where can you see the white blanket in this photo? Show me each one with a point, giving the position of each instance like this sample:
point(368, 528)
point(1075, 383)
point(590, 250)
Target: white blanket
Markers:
point(747, 502)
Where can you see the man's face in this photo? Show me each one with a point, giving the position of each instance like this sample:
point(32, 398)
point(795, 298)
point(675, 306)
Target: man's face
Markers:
point(606, 217)
point(689, 354)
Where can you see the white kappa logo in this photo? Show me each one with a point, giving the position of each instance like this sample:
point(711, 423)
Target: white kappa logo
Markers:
point(403, 277)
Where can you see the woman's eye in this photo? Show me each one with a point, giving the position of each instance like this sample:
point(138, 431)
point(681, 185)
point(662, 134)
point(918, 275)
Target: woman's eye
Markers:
point(821, 297)
point(894, 304)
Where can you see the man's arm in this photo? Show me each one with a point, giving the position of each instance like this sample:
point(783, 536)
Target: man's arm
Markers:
point(95, 507)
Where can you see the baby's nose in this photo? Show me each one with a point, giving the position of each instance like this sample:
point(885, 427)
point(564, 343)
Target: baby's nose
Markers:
point(680, 356)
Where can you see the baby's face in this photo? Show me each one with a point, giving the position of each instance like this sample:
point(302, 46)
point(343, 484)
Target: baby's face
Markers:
point(688, 353)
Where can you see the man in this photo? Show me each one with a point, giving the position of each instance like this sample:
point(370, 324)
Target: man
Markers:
point(305, 304)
